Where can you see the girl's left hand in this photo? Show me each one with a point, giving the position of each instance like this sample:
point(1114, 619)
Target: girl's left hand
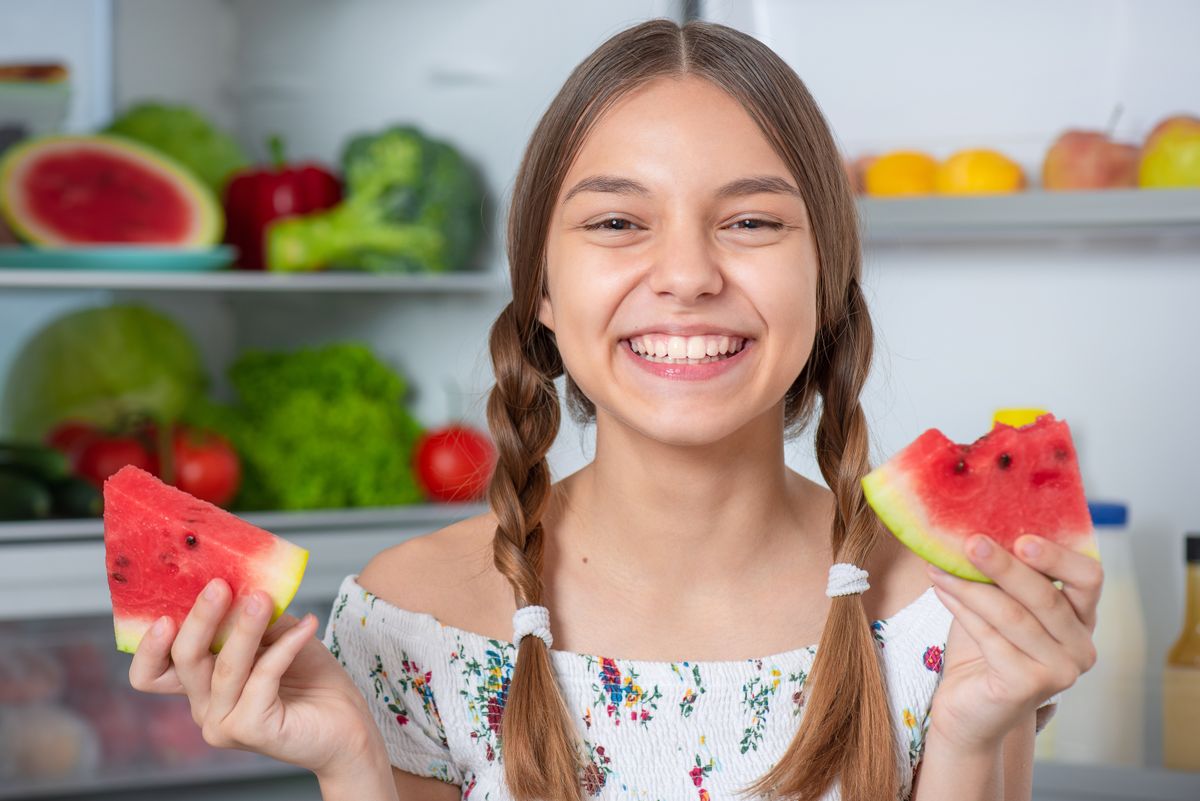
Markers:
point(1027, 640)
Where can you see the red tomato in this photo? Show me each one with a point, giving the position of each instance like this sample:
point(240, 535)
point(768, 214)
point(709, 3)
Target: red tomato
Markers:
point(104, 456)
point(71, 437)
point(454, 463)
point(206, 466)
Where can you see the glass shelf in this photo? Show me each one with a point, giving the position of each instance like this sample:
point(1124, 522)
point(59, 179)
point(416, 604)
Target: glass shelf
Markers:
point(256, 281)
point(1032, 215)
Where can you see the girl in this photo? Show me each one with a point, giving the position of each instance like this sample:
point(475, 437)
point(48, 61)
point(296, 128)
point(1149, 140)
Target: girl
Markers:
point(684, 249)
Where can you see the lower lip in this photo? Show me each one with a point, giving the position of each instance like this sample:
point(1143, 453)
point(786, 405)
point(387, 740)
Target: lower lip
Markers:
point(688, 372)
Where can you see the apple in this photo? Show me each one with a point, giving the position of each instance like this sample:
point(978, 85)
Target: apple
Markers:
point(1170, 157)
point(1186, 122)
point(856, 170)
point(1081, 159)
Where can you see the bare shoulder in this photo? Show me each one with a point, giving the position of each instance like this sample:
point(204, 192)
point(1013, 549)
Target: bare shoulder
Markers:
point(447, 573)
point(897, 575)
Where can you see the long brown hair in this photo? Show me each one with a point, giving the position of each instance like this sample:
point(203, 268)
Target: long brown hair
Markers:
point(846, 730)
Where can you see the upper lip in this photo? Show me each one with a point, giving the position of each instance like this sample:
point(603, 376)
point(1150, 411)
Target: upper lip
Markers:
point(690, 329)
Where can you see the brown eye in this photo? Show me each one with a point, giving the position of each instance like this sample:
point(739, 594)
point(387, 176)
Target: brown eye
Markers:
point(606, 224)
point(774, 226)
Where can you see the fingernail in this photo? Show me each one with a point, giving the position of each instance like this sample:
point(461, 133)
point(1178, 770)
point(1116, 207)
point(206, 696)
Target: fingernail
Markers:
point(253, 606)
point(212, 591)
point(1031, 547)
point(160, 627)
point(982, 548)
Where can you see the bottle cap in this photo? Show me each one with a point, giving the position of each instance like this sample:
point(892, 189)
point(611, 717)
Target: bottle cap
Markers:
point(1192, 546)
point(1108, 514)
point(1017, 417)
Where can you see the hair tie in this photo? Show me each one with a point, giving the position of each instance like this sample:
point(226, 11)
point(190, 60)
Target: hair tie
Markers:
point(533, 620)
point(846, 579)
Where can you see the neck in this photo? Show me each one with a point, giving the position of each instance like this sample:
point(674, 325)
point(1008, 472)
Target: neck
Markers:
point(672, 519)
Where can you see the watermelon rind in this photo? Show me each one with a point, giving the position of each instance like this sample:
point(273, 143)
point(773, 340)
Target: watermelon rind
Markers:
point(888, 495)
point(209, 219)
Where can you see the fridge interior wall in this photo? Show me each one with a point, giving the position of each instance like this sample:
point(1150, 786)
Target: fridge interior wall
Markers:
point(1101, 334)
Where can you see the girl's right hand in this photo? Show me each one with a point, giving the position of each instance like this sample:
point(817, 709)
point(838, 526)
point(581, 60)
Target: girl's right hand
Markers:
point(277, 691)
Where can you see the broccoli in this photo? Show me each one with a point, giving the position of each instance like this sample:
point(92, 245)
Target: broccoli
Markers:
point(413, 204)
point(318, 428)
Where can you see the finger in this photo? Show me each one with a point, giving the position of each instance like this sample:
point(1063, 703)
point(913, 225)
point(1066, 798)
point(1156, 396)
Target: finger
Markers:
point(262, 688)
point(1082, 575)
point(1031, 588)
point(1003, 614)
point(151, 670)
point(278, 629)
point(233, 664)
point(1002, 655)
point(192, 651)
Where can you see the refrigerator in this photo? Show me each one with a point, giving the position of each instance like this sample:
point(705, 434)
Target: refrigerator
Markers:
point(1083, 305)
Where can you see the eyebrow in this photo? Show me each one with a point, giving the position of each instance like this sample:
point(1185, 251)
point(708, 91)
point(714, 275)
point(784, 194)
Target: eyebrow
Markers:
point(751, 185)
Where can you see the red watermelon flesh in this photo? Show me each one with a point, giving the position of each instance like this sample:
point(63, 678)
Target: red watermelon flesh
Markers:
point(935, 494)
point(162, 547)
point(79, 190)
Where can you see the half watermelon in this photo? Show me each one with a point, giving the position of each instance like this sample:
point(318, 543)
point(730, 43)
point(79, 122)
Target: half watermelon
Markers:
point(82, 190)
point(935, 494)
point(162, 547)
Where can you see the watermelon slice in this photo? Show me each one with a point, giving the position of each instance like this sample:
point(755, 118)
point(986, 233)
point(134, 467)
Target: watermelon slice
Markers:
point(81, 190)
point(935, 494)
point(162, 546)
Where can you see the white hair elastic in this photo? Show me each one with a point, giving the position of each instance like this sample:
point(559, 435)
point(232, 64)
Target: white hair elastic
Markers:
point(533, 620)
point(846, 579)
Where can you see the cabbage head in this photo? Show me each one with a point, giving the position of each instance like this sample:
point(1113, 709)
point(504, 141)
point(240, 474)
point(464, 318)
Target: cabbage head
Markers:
point(105, 365)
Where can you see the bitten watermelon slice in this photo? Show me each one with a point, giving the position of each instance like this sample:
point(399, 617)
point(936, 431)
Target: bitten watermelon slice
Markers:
point(65, 191)
point(935, 494)
point(162, 546)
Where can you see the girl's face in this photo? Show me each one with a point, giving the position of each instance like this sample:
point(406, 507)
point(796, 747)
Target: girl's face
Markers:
point(679, 226)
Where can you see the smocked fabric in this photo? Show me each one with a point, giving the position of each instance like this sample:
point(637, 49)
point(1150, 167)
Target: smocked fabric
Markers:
point(650, 731)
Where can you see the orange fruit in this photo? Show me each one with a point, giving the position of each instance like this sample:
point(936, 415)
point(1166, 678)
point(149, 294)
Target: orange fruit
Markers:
point(901, 172)
point(979, 171)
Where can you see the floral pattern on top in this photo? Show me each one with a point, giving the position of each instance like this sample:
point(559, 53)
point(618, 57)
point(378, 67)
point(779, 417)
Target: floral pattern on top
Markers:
point(621, 696)
point(485, 689)
point(648, 731)
point(689, 674)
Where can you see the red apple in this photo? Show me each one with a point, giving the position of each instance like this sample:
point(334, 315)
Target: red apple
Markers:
point(1081, 159)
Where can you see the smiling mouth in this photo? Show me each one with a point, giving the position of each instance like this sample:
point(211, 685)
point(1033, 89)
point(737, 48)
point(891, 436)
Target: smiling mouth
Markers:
point(650, 348)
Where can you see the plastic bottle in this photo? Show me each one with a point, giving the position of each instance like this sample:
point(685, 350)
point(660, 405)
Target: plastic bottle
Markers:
point(1181, 676)
point(1101, 718)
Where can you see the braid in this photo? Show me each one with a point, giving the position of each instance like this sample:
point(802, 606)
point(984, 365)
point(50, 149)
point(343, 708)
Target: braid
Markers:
point(847, 723)
point(538, 743)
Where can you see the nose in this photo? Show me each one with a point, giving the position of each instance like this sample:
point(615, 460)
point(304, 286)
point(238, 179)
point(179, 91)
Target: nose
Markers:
point(684, 265)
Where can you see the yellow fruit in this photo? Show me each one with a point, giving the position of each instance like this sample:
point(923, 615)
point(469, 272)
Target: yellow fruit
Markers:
point(1172, 159)
point(979, 172)
point(901, 172)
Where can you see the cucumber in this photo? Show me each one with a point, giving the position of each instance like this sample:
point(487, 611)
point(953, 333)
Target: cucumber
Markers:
point(23, 497)
point(75, 497)
point(38, 461)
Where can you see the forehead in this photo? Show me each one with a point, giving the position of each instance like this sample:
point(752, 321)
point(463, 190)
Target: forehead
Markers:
point(676, 134)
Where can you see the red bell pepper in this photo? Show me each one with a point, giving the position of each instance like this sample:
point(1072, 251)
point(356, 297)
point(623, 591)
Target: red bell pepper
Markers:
point(255, 197)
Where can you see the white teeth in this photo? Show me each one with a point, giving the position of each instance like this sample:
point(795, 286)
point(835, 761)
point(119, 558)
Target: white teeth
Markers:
point(685, 350)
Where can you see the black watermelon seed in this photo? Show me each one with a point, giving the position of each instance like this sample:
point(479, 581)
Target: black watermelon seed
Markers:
point(118, 578)
point(1005, 460)
point(122, 560)
point(190, 540)
point(1060, 454)
point(961, 467)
